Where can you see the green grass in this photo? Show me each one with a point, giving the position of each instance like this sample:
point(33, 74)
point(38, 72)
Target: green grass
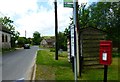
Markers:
point(116, 55)
point(98, 74)
point(60, 69)
point(50, 69)
point(7, 50)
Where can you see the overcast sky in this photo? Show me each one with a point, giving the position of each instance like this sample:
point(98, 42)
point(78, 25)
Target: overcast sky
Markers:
point(36, 15)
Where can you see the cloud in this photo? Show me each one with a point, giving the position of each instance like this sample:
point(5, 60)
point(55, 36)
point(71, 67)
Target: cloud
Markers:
point(31, 15)
point(17, 6)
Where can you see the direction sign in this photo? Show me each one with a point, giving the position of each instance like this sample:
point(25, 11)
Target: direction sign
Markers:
point(72, 40)
point(68, 3)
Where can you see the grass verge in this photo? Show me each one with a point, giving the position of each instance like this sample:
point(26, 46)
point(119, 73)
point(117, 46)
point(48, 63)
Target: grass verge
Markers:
point(7, 50)
point(98, 74)
point(50, 69)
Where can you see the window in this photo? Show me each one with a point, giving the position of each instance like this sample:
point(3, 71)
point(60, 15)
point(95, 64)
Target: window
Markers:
point(2, 37)
point(6, 39)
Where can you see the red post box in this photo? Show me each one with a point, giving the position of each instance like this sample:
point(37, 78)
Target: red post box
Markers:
point(105, 52)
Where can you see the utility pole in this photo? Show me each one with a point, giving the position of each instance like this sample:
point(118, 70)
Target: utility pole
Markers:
point(25, 33)
point(56, 32)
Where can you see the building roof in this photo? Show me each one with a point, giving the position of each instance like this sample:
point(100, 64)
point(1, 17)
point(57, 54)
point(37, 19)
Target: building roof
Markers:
point(50, 40)
point(92, 28)
point(4, 29)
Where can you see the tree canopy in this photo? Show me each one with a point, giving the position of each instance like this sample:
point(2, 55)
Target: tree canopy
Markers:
point(36, 38)
point(62, 39)
point(104, 16)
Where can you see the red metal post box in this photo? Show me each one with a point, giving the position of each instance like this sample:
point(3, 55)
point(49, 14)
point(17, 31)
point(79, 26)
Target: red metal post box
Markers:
point(105, 52)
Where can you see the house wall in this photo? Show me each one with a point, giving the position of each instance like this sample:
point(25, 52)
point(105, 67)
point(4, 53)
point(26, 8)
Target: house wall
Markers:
point(5, 44)
point(43, 43)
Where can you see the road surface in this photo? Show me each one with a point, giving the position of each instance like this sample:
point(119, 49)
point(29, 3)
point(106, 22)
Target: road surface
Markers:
point(17, 64)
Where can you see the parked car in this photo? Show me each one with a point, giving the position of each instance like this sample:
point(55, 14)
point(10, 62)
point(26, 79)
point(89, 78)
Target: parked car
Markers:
point(26, 46)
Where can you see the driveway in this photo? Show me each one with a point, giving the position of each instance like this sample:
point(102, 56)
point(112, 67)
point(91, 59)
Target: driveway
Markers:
point(18, 64)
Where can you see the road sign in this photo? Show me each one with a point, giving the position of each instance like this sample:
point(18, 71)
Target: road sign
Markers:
point(68, 3)
point(72, 41)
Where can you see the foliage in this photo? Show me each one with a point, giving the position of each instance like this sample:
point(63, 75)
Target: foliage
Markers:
point(36, 38)
point(7, 50)
point(6, 21)
point(102, 15)
point(52, 50)
point(107, 17)
point(62, 41)
point(21, 41)
point(28, 40)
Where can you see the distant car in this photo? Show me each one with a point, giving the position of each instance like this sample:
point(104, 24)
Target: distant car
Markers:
point(26, 46)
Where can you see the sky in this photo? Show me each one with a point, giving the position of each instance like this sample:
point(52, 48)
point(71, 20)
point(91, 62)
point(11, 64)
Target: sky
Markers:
point(36, 15)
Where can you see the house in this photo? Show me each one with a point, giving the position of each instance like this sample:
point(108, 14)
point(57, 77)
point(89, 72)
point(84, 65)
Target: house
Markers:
point(43, 43)
point(5, 37)
point(48, 42)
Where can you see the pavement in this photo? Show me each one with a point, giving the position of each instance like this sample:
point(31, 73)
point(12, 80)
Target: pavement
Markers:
point(19, 64)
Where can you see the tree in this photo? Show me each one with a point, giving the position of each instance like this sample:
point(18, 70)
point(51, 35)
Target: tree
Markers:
point(36, 38)
point(62, 40)
point(104, 16)
point(7, 22)
point(29, 40)
point(21, 41)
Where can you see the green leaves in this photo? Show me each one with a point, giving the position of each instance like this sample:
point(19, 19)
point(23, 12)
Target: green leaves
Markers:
point(102, 15)
point(36, 38)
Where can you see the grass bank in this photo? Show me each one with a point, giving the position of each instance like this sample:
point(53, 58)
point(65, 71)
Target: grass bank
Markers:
point(7, 50)
point(98, 74)
point(50, 69)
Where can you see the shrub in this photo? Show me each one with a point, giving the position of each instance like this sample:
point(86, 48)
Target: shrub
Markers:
point(52, 50)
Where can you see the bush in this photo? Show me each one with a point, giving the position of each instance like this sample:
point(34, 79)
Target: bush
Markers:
point(52, 50)
point(116, 55)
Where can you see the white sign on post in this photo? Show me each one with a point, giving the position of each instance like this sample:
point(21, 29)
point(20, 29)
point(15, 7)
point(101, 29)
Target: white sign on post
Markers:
point(72, 41)
point(104, 56)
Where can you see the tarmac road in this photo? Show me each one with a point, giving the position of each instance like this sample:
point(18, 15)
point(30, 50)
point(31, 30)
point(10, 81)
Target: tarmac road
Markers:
point(18, 64)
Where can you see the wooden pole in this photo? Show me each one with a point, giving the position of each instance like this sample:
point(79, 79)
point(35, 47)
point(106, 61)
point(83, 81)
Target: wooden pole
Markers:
point(56, 32)
point(105, 73)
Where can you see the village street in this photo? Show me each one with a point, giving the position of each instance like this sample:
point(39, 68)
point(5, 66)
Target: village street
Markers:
point(18, 64)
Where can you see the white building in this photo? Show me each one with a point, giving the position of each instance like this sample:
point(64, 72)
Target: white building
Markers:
point(5, 37)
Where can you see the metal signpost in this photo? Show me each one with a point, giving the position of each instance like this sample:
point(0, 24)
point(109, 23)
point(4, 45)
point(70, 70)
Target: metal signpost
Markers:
point(75, 30)
point(72, 4)
point(73, 50)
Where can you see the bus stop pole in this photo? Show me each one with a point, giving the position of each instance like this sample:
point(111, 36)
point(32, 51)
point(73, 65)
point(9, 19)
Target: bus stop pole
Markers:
point(75, 31)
